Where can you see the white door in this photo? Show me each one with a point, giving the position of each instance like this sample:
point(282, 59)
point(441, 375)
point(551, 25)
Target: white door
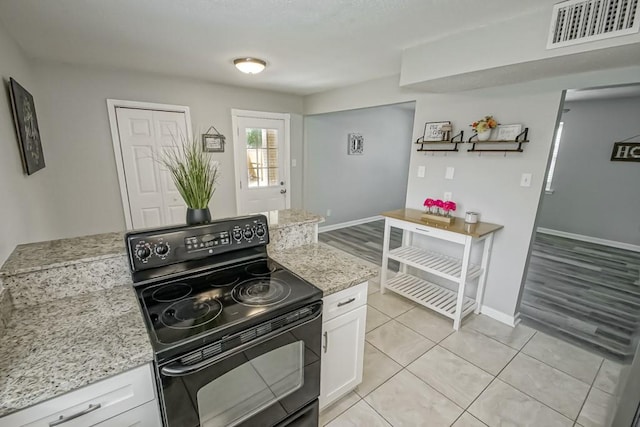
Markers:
point(144, 135)
point(261, 151)
point(342, 355)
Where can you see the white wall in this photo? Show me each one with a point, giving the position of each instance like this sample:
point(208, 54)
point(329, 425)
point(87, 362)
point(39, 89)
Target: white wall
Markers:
point(487, 183)
point(23, 212)
point(357, 186)
point(83, 196)
point(594, 196)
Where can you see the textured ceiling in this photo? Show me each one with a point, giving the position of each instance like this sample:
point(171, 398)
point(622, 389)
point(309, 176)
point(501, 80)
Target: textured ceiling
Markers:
point(309, 45)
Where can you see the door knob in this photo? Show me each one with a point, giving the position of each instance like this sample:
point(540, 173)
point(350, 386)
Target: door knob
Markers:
point(284, 190)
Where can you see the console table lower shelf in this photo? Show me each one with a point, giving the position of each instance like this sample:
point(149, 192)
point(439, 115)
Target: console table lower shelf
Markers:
point(430, 295)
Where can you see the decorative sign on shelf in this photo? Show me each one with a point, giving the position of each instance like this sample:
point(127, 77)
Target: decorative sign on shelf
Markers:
point(437, 131)
point(356, 144)
point(626, 152)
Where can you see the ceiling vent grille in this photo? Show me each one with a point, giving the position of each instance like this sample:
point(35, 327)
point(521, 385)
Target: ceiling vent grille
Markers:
point(580, 21)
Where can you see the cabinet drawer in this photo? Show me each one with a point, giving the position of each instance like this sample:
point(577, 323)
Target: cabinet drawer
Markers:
point(344, 301)
point(430, 231)
point(147, 415)
point(96, 402)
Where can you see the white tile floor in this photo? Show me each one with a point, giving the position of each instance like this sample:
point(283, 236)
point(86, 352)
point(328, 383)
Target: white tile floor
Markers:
point(418, 372)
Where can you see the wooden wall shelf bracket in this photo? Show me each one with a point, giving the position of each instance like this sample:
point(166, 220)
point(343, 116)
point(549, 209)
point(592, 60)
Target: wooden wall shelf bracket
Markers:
point(457, 139)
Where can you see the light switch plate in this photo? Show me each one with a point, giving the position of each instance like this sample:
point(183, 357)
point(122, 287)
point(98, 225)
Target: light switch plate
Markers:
point(449, 173)
point(421, 171)
point(525, 180)
point(447, 196)
point(294, 163)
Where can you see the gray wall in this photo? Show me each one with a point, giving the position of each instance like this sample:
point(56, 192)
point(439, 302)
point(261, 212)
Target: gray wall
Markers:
point(357, 186)
point(594, 196)
point(83, 196)
point(23, 209)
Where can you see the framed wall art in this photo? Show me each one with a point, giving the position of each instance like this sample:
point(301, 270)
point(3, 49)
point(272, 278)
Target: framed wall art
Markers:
point(356, 144)
point(24, 116)
point(213, 142)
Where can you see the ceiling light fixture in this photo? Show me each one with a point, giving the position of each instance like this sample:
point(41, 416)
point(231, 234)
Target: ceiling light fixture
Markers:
point(250, 65)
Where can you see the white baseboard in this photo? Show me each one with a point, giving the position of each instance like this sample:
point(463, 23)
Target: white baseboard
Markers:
point(349, 223)
point(500, 316)
point(589, 239)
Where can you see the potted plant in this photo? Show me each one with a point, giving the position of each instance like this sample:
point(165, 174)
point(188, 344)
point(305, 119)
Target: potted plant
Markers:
point(195, 176)
point(483, 127)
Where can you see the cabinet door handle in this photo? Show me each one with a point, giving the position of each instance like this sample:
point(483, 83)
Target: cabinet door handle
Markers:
point(64, 419)
point(422, 229)
point(349, 301)
point(326, 341)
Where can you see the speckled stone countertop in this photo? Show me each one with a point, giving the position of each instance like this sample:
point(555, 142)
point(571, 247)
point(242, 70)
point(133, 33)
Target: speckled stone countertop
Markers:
point(329, 269)
point(50, 349)
point(290, 217)
point(60, 253)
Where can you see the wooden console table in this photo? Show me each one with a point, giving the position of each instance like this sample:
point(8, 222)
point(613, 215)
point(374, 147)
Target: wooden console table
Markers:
point(453, 304)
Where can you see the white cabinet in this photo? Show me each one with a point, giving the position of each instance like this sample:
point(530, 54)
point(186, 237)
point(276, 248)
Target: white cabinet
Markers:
point(97, 404)
point(343, 328)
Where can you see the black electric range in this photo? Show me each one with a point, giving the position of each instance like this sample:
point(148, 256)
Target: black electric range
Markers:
point(222, 315)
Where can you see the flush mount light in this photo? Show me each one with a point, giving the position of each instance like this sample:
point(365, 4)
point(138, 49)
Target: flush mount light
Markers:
point(249, 65)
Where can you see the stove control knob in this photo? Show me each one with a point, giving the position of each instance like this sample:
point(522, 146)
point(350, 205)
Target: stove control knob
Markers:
point(237, 234)
point(260, 231)
point(162, 249)
point(143, 252)
point(248, 233)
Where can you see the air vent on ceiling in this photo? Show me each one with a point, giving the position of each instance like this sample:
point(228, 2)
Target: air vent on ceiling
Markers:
point(580, 21)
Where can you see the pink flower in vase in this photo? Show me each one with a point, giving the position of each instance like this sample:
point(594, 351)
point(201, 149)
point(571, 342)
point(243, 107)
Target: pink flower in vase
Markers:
point(449, 207)
point(439, 207)
point(429, 204)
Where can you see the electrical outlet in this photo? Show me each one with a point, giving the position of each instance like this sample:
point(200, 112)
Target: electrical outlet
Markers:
point(294, 163)
point(449, 173)
point(447, 196)
point(525, 180)
point(328, 212)
point(421, 171)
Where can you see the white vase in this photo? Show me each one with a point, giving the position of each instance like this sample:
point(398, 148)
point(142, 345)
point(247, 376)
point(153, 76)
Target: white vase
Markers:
point(484, 136)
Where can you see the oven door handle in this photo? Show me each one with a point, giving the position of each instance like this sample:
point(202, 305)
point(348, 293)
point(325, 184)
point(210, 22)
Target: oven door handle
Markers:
point(180, 370)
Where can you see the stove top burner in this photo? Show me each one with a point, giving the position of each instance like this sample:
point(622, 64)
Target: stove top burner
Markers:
point(172, 292)
point(260, 292)
point(216, 281)
point(261, 269)
point(191, 312)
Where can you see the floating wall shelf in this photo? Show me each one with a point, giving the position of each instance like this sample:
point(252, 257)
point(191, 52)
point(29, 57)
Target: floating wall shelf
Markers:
point(520, 139)
point(457, 139)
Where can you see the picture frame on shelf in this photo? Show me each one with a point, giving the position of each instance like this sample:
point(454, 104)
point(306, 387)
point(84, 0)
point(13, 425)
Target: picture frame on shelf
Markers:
point(437, 131)
point(507, 132)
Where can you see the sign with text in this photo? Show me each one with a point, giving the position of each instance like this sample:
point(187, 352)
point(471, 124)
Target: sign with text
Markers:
point(626, 152)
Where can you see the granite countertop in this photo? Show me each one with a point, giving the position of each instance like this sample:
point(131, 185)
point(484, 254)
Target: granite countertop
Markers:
point(327, 268)
point(53, 348)
point(289, 217)
point(60, 253)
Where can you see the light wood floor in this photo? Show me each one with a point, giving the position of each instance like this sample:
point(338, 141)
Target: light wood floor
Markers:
point(363, 241)
point(585, 292)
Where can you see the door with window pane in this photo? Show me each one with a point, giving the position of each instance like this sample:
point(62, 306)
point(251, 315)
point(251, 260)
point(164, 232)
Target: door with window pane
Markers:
point(261, 162)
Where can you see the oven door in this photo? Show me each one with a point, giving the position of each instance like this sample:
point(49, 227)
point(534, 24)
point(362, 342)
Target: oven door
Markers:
point(261, 382)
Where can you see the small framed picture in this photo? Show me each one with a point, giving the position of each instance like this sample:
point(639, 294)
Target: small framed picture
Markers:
point(508, 132)
point(356, 144)
point(213, 143)
point(437, 131)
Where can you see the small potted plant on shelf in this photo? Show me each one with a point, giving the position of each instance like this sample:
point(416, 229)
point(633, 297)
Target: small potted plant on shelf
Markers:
point(483, 127)
point(439, 211)
point(195, 176)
